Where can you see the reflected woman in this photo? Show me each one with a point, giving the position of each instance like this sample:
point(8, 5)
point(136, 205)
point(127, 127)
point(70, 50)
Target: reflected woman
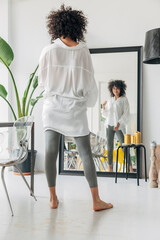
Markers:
point(117, 113)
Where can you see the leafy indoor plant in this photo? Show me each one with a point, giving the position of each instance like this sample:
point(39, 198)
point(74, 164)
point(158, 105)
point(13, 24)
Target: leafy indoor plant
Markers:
point(28, 103)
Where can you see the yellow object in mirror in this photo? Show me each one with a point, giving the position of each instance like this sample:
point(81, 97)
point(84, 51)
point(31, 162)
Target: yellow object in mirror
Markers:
point(133, 139)
point(127, 139)
point(138, 137)
point(120, 158)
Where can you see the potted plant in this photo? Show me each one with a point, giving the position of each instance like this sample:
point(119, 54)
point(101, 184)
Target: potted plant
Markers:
point(24, 108)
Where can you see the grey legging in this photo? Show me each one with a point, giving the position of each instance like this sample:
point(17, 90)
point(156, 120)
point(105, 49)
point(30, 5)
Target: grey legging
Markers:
point(52, 141)
point(110, 138)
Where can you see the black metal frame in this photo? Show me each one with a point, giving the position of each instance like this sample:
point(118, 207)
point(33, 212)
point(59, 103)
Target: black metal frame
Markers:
point(10, 124)
point(137, 147)
point(137, 49)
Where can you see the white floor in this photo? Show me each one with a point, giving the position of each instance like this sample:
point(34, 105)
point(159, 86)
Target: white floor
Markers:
point(136, 212)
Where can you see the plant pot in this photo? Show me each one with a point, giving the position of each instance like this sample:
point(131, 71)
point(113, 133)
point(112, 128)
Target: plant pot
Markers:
point(25, 166)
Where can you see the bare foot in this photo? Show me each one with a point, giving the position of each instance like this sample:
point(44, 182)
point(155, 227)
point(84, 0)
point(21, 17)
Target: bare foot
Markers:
point(101, 205)
point(54, 202)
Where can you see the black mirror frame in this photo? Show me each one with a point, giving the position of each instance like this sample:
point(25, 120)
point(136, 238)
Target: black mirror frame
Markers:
point(139, 50)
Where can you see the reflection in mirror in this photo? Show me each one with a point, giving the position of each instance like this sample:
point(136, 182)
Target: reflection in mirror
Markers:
point(110, 66)
point(72, 160)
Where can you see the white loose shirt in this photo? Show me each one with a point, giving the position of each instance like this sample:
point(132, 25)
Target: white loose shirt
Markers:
point(66, 74)
point(117, 111)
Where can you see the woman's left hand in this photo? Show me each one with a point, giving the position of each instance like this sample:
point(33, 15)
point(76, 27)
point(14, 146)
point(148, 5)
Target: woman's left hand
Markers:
point(117, 127)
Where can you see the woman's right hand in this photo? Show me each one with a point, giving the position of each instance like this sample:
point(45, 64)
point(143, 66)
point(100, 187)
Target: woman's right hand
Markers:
point(104, 104)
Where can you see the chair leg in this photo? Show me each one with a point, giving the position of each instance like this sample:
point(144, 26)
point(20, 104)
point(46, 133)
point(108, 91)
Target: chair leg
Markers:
point(32, 194)
point(96, 163)
point(116, 166)
point(4, 184)
point(102, 165)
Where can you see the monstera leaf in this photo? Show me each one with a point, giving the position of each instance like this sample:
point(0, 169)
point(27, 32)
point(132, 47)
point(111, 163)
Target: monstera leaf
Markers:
point(6, 53)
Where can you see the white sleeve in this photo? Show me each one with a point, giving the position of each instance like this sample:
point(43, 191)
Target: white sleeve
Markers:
point(126, 114)
point(92, 94)
point(42, 71)
point(105, 111)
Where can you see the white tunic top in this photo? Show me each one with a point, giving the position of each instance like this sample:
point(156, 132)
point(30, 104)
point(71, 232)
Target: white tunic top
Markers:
point(117, 111)
point(66, 74)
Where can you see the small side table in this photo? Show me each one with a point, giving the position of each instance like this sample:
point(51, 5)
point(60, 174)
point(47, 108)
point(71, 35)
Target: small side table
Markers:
point(137, 147)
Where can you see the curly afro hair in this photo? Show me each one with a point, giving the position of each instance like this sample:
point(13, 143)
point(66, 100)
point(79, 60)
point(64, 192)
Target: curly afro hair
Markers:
point(67, 23)
point(119, 84)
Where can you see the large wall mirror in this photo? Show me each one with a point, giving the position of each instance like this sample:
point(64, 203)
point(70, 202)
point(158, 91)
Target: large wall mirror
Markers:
point(124, 63)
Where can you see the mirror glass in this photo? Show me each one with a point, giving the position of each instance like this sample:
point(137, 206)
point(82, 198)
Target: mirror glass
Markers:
point(109, 65)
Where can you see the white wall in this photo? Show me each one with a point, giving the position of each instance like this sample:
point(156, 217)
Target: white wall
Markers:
point(3, 70)
point(111, 24)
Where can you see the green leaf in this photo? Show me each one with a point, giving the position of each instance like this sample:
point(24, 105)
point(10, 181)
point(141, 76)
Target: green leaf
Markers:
point(40, 96)
point(6, 57)
point(33, 101)
point(31, 76)
point(35, 82)
point(25, 93)
point(6, 53)
point(3, 92)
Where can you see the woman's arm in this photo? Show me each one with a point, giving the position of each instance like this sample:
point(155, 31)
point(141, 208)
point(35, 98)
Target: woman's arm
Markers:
point(42, 69)
point(92, 90)
point(105, 109)
point(126, 114)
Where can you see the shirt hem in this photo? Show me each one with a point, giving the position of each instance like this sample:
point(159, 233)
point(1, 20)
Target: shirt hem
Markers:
point(67, 135)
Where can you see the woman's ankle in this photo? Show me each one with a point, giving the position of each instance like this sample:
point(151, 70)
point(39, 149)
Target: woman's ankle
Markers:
point(95, 194)
point(52, 192)
point(110, 168)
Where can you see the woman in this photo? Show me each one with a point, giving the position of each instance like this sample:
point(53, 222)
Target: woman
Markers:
point(66, 74)
point(117, 113)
